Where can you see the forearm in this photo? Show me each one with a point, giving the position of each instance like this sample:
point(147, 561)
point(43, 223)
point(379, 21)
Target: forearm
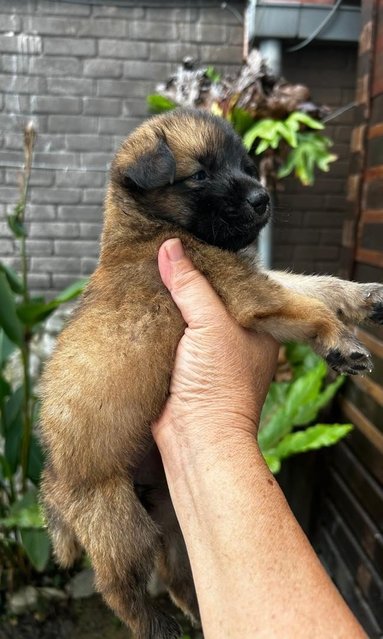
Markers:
point(255, 573)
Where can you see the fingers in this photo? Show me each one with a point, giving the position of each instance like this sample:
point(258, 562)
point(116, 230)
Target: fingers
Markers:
point(195, 298)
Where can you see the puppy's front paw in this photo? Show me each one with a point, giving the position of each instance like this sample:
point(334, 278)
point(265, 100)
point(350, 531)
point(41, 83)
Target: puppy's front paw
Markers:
point(350, 357)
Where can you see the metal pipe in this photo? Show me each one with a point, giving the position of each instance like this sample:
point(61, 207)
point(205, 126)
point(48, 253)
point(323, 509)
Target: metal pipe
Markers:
point(271, 50)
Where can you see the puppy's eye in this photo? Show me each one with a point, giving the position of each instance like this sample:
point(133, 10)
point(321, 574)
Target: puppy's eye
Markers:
point(199, 176)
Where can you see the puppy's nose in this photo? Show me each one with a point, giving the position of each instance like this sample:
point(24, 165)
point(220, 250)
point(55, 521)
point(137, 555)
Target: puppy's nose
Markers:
point(259, 200)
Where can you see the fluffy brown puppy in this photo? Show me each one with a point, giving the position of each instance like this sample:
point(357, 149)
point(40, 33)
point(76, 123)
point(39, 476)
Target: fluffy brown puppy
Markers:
point(183, 174)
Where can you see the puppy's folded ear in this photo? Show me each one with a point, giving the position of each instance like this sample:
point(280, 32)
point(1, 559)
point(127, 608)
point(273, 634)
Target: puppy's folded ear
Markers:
point(152, 169)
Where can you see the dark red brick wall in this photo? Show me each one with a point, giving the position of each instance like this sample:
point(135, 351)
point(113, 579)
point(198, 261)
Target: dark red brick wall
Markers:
point(350, 516)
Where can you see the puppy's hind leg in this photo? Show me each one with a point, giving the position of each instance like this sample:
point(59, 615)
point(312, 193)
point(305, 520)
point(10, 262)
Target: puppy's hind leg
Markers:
point(122, 542)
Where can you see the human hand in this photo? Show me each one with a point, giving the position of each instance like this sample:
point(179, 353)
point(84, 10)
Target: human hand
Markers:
point(222, 371)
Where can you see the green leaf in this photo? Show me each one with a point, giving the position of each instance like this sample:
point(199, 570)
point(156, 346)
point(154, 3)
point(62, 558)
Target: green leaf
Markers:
point(9, 320)
point(25, 513)
point(159, 104)
point(72, 291)
point(31, 312)
point(13, 438)
point(14, 404)
point(298, 408)
point(241, 120)
point(307, 120)
point(17, 228)
point(37, 546)
point(6, 348)
point(36, 461)
point(212, 74)
point(36, 310)
point(273, 462)
point(311, 438)
point(14, 280)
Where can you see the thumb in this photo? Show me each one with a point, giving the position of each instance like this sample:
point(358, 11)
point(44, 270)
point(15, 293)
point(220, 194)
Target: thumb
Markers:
point(192, 293)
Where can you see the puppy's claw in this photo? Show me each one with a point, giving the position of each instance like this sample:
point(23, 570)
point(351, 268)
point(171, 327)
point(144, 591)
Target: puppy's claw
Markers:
point(355, 362)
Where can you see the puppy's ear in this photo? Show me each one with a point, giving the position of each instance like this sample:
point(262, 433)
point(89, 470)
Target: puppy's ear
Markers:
point(153, 169)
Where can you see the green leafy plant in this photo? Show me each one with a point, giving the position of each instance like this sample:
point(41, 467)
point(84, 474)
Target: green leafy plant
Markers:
point(277, 120)
point(288, 421)
point(24, 544)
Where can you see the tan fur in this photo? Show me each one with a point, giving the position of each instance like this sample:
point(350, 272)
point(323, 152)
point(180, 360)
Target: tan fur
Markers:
point(108, 380)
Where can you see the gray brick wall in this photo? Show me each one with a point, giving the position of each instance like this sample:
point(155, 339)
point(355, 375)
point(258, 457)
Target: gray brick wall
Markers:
point(82, 71)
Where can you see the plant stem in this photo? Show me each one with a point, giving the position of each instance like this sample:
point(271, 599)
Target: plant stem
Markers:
point(27, 418)
point(29, 141)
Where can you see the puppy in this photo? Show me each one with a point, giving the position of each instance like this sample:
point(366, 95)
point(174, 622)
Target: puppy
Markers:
point(183, 174)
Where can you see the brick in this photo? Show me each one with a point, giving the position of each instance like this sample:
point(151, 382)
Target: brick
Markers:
point(17, 103)
point(323, 219)
point(53, 230)
point(75, 27)
point(39, 247)
point(72, 124)
point(221, 14)
point(144, 71)
point(69, 46)
point(235, 36)
point(10, 23)
point(94, 196)
point(9, 194)
point(145, 30)
point(55, 196)
point(88, 265)
point(96, 160)
point(102, 68)
point(90, 231)
point(9, 6)
point(39, 281)
point(182, 14)
point(15, 63)
point(132, 89)
point(61, 281)
point(208, 34)
point(22, 44)
point(172, 52)
point(50, 142)
point(102, 106)
point(123, 49)
point(50, 104)
point(55, 66)
point(62, 8)
point(6, 247)
point(79, 247)
point(81, 179)
point(40, 212)
point(223, 54)
point(22, 84)
point(57, 160)
point(69, 86)
point(331, 237)
point(118, 126)
point(37, 178)
point(84, 213)
point(56, 264)
point(134, 108)
point(129, 13)
point(89, 143)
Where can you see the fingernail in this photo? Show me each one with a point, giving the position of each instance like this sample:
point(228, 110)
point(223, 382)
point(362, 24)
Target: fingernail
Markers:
point(174, 250)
